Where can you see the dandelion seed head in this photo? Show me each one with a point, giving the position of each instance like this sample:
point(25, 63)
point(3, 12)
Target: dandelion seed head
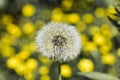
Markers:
point(58, 41)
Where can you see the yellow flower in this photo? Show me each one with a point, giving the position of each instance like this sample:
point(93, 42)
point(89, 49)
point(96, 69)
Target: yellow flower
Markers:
point(85, 65)
point(24, 54)
point(43, 70)
point(28, 10)
point(57, 15)
point(105, 30)
point(7, 51)
point(7, 39)
point(111, 10)
point(114, 31)
point(31, 64)
point(73, 18)
point(30, 47)
point(99, 39)
point(118, 52)
point(89, 46)
point(6, 19)
point(94, 30)
point(104, 49)
point(64, 18)
point(67, 4)
point(88, 18)
point(20, 70)
point(81, 26)
point(66, 70)
point(14, 30)
point(108, 59)
point(39, 23)
point(28, 28)
point(45, 77)
point(29, 76)
point(100, 12)
point(44, 60)
point(84, 38)
point(13, 62)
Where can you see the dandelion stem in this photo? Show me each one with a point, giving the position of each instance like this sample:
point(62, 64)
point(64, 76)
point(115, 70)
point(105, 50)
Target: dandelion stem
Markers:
point(55, 72)
point(60, 78)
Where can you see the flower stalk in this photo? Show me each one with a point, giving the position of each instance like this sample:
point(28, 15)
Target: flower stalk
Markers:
point(56, 70)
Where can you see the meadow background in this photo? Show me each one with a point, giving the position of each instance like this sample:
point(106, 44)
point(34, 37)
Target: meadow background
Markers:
point(21, 19)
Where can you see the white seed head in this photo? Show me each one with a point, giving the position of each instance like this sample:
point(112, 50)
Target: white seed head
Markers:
point(58, 41)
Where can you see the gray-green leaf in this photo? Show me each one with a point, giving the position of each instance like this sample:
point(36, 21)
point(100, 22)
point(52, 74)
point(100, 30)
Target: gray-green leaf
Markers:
point(98, 76)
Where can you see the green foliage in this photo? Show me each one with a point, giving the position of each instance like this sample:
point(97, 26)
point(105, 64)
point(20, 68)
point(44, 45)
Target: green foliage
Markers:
point(98, 76)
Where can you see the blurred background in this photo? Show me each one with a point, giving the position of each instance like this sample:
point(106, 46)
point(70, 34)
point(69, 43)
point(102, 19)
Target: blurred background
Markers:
point(21, 19)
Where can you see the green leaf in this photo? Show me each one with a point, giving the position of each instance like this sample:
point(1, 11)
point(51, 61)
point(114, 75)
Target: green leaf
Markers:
point(60, 78)
point(96, 55)
point(98, 76)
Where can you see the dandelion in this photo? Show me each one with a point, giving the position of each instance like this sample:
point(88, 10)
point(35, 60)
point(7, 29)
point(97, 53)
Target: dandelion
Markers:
point(58, 41)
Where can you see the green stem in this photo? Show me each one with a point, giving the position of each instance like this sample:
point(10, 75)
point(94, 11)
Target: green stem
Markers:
point(55, 72)
point(60, 78)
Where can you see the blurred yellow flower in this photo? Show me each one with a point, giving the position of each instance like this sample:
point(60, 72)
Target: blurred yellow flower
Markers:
point(81, 26)
point(114, 31)
point(7, 51)
point(111, 10)
point(99, 39)
point(89, 46)
point(100, 12)
point(65, 18)
point(85, 65)
point(24, 54)
point(57, 15)
point(94, 30)
point(13, 62)
point(45, 77)
point(7, 39)
point(28, 28)
point(84, 38)
point(108, 59)
point(30, 47)
point(6, 19)
point(21, 70)
point(88, 18)
point(105, 30)
point(66, 70)
point(109, 43)
point(67, 4)
point(28, 10)
point(39, 23)
point(73, 18)
point(29, 76)
point(31, 64)
point(14, 30)
point(43, 70)
point(44, 60)
point(118, 52)
point(104, 49)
